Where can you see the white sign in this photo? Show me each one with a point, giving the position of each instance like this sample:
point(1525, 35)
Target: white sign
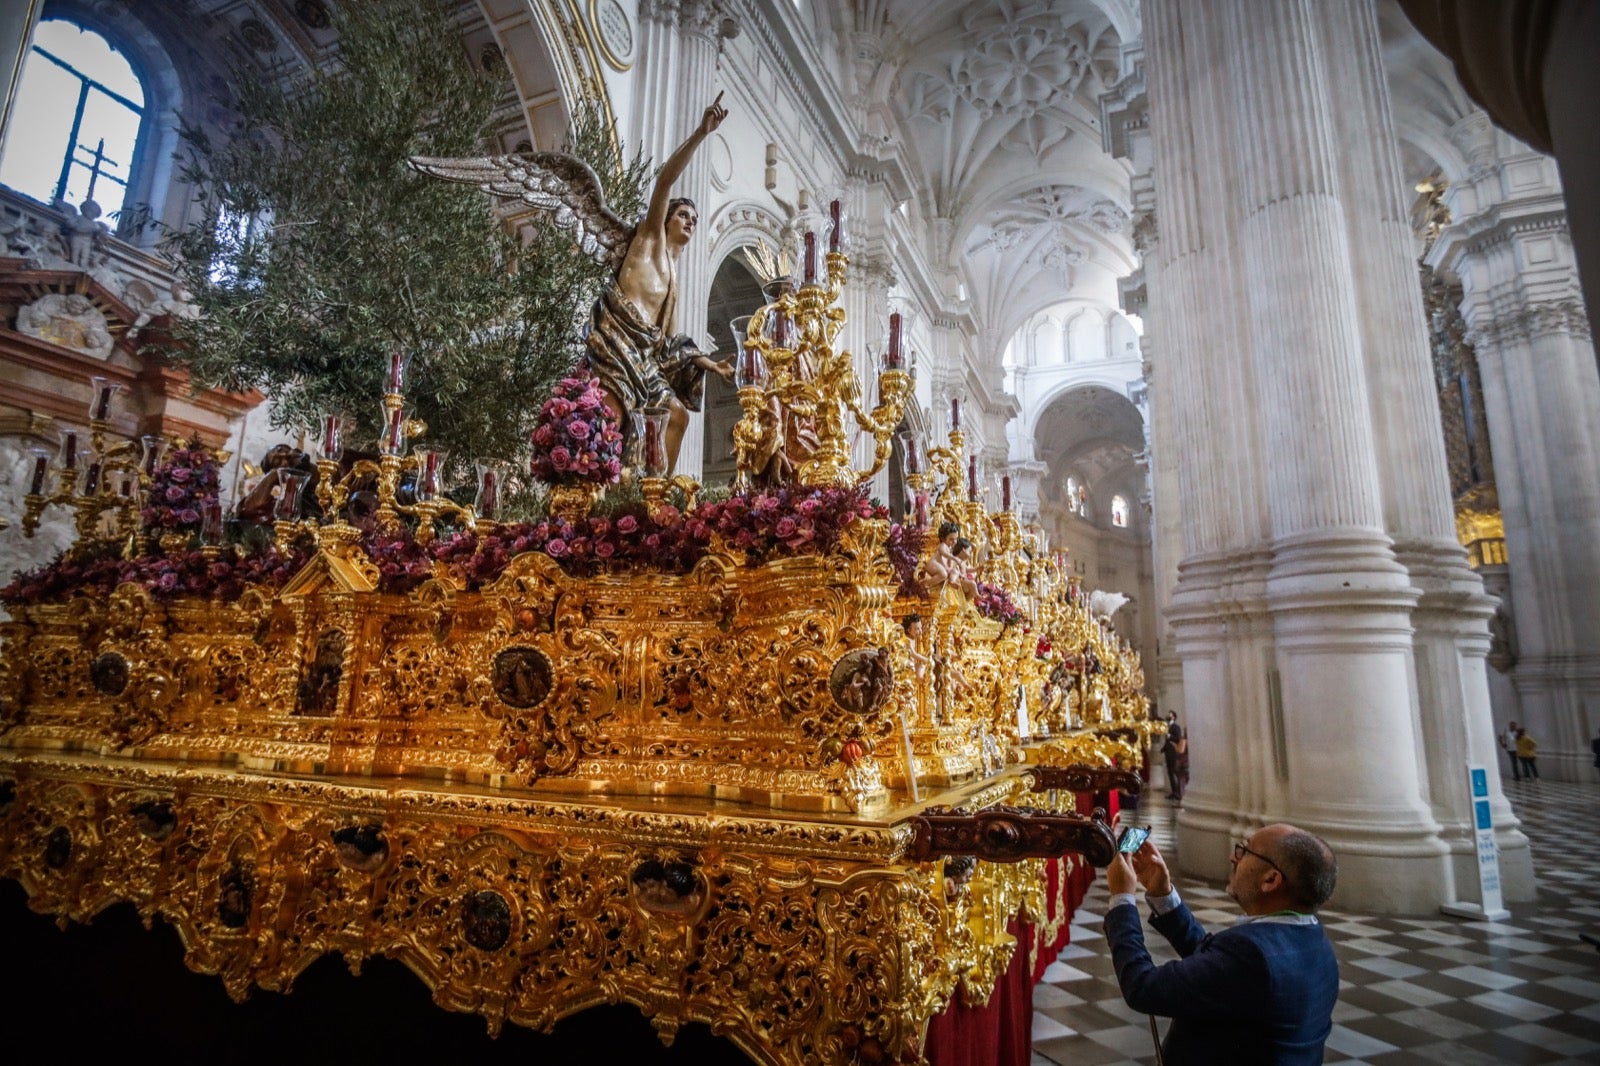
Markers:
point(1492, 906)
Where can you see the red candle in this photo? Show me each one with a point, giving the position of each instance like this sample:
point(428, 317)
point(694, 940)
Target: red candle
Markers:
point(397, 371)
point(91, 480)
point(811, 258)
point(1005, 492)
point(913, 456)
point(955, 413)
point(103, 391)
point(972, 477)
point(836, 234)
point(126, 489)
point(489, 494)
point(894, 342)
point(782, 330)
point(41, 465)
point(922, 509)
point(69, 451)
point(332, 432)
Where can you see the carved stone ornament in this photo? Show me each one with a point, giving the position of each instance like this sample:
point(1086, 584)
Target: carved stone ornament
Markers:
point(68, 319)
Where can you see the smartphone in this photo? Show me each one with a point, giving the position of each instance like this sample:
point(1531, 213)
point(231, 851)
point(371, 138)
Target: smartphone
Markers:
point(1133, 838)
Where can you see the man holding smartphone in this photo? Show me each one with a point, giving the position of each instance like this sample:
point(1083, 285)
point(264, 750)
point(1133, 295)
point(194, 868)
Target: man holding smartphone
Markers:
point(1261, 991)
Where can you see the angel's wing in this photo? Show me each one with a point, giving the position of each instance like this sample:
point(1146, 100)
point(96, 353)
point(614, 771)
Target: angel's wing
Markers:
point(560, 184)
point(1104, 604)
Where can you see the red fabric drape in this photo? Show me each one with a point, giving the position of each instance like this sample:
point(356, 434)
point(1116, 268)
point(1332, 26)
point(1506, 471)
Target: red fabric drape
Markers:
point(1000, 1033)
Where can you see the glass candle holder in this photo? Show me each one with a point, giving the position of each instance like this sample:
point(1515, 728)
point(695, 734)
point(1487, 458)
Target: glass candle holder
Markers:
point(836, 235)
point(331, 445)
point(913, 453)
point(430, 475)
point(749, 369)
point(487, 501)
point(155, 446)
point(393, 439)
point(211, 525)
point(955, 414)
point(810, 258)
point(893, 359)
point(69, 449)
point(633, 443)
point(655, 441)
point(287, 507)
point(101, 390)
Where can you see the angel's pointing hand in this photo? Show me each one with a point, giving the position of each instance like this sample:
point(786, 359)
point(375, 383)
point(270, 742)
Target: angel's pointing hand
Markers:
point(713, 116)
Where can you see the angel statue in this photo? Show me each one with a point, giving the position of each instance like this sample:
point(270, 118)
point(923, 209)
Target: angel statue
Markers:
point(632, 347)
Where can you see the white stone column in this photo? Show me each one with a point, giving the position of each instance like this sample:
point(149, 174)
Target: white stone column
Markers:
point(1523, 307)
point(1294, 618)
point(1451, 636)
point(677, 80)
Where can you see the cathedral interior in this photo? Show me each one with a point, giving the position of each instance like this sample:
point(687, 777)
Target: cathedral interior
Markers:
point(1254, 336)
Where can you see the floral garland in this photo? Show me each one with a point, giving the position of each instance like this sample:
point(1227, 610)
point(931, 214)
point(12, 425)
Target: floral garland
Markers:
point(165, 576)
point(575, 438)
point(785, 522)
point(181, 489)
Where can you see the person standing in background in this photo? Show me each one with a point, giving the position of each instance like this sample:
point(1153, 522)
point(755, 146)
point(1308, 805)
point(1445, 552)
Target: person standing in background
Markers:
point(1528, 754)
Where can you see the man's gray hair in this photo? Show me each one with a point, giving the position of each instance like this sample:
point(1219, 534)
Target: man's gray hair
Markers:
point(1309, 865)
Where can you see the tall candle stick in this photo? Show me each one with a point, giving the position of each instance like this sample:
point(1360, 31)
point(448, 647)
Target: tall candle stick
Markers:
point(913, 456)
point(836, 234)
point(894, 341)
point(1005, 492)
point(91, 479)
point(955, 413)
point(397, 370)
point(41, 465)
point(811, 258)
point(972, 477)
point(69, 451)
point(102, 391)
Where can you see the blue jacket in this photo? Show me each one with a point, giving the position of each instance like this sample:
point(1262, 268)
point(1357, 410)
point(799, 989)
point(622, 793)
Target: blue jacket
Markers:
point(1261, 992)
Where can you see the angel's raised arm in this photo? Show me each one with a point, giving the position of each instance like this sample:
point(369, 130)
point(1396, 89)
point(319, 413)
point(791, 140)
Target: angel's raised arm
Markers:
point(656, 217)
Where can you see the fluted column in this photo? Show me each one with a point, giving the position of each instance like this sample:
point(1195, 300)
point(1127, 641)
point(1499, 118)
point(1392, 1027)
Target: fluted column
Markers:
point(1524, 311)
point(1305, 677)
point(1450, 622)
point(678, 79)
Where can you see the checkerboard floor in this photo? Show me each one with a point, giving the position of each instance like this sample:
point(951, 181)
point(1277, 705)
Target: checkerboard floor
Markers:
point(1424, 989)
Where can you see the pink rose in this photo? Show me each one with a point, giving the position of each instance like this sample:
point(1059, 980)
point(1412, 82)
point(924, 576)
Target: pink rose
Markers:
point(627, 524)
point(559, 408)
point(555, 546)
point(560, 458)
point(785, 528)
point(544, 436)
point(174, 494)
point(578, 429)
point(188, 516)
point(589, 401)
point(605, 549)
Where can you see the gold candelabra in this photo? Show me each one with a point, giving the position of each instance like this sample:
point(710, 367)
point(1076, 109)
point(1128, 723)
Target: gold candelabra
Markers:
point(804, 375)
point(113, 477)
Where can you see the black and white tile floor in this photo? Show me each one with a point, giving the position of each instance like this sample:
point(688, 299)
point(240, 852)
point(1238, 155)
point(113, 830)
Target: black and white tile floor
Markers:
point(1425, 989)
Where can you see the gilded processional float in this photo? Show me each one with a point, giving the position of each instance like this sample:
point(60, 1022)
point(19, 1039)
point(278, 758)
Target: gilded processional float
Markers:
point(771, 762)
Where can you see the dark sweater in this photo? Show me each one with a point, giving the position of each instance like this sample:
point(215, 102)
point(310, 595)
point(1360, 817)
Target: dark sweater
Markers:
point(1261, 992)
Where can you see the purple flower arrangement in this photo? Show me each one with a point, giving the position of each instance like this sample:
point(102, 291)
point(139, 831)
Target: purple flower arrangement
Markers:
point(180, 490)
point(167, 577)
point(575, 438)
point(789, 521)
point(996, 603)
point(784, 522)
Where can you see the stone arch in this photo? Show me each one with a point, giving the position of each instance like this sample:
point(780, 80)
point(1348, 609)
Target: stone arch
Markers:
point(553, 65)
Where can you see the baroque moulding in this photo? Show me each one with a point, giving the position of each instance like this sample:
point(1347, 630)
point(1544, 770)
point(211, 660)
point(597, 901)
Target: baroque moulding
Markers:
point(1539, 320)
point(787, 937)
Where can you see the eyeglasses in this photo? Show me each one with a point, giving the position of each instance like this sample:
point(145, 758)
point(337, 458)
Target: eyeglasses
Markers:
point(1241, 849)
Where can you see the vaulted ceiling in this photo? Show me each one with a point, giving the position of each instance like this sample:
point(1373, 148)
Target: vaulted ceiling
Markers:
point(997, 104)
